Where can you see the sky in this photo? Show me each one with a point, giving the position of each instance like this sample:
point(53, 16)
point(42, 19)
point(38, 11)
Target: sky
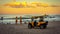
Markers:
point(42, 7)
point(57, 2)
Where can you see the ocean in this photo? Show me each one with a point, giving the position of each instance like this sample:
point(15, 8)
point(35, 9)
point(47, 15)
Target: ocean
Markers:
point(11, 19)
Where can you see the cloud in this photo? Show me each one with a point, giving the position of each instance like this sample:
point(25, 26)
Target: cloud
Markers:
point(26, 5)
point(55, 6)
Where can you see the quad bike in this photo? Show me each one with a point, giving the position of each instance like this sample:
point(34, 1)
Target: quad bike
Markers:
point(41, 24)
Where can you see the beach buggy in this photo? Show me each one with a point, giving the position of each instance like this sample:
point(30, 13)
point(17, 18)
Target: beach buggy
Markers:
point(41, 23)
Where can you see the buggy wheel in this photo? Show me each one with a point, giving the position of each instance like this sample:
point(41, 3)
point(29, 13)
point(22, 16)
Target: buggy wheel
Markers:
point(43, 26)
point(29, 26)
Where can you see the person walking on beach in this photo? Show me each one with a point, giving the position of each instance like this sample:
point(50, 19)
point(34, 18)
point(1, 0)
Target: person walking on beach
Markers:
point(16, 19)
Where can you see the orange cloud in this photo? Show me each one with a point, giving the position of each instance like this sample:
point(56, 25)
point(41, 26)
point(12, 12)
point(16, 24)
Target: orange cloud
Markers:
point(55, 6)
point(25, 4)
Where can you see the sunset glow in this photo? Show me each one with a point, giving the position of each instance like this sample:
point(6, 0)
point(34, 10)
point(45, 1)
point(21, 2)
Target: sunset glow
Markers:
point(28, 8)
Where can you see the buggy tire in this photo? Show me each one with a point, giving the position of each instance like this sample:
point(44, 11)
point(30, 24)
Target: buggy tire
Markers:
point(29, 26)
point(43, 26)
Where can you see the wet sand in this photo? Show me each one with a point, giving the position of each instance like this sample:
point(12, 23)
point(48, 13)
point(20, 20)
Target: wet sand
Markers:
point(52, 28)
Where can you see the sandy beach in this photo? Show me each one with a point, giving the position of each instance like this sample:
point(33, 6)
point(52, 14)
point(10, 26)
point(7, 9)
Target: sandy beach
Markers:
point(52, 28)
